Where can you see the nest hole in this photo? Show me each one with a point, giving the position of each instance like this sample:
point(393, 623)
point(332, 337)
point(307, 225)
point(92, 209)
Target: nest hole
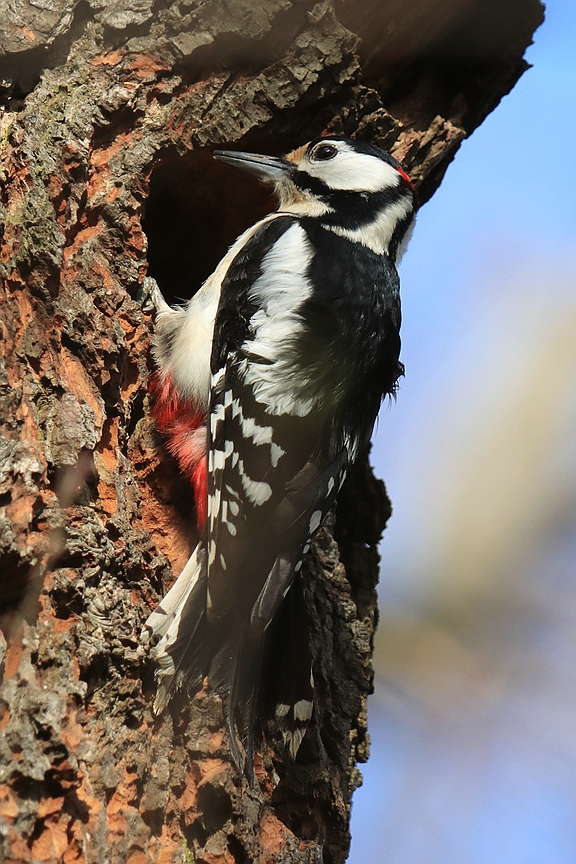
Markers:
point(196, 208)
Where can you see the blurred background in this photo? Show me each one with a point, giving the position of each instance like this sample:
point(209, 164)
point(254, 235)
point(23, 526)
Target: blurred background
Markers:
point(473, 723)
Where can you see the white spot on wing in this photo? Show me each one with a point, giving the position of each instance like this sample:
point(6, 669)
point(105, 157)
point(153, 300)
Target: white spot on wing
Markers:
point(303, 710)
point(315, 520)
point(256, 491)
point(275, 453)
point(293, 740)
point(218, 377)
point(218, 460)
point(259, 434)
point(214, 503)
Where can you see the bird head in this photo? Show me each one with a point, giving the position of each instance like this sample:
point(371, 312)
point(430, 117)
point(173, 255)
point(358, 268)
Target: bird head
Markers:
point(351, 187)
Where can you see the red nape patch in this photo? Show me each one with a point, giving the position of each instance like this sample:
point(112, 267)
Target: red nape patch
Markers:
point(184, 425)
point(408, 180)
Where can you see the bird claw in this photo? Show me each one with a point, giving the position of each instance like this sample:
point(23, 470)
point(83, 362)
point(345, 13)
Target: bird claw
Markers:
point(152, 299)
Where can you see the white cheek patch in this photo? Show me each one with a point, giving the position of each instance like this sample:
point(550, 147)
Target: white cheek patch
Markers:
point(354, 172)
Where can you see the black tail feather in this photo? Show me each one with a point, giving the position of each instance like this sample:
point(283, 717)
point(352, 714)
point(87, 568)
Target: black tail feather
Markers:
point(290, 690)
point(234, 674)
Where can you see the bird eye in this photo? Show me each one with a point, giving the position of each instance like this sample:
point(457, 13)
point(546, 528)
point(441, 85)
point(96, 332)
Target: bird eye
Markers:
point(324, 152)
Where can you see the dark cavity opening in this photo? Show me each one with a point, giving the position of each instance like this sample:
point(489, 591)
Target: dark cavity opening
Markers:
point(196, 208)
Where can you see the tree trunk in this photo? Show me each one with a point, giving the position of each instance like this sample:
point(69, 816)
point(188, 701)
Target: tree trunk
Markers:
point(109, 114)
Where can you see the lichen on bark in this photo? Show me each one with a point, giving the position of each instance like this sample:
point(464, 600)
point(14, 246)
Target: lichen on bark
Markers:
point(108, 112)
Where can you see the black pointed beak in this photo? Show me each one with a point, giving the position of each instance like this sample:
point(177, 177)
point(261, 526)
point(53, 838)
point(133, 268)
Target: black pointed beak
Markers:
point(268, 169)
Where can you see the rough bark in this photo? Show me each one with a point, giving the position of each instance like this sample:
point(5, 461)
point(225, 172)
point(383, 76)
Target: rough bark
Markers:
point(109, 111)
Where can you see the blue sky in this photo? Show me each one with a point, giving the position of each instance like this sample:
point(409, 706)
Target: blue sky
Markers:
point(474, 719)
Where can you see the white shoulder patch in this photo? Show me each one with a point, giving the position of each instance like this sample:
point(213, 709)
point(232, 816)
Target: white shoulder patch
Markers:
point(280, 293)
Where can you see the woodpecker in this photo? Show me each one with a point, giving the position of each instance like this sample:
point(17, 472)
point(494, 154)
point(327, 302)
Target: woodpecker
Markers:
point(269, 384)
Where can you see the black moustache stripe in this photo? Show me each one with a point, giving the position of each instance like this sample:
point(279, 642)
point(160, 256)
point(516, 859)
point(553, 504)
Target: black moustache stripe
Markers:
point(351, 209)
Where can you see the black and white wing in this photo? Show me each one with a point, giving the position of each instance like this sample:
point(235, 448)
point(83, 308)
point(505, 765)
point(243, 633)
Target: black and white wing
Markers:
point(275, 459)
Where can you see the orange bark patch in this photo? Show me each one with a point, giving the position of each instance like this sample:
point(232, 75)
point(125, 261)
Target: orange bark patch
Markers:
point(213, 770)
point(4, 718)
point(273, 835)
point(146, 67)
point(108, 444)
point(62, 625)
point(18, 848)
point(107, 281)
point(8, 806)
point(168, 846)
point(102, 158)
point(137, 856)
point(110, 59)
point(167, 530)
point(108, 499)
point(52, 843)
point(93, 805)
point(73, 733)
point(216, 740)
point(105, 460)
point(83, 236)
point(21, 511)
point(13, 657)
point(222, 858)
point(77, 382)
point(189, 798)
point(120, 804)
point(74, 853)
point(49, 806)
point(25, 313)
point(135, 238)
